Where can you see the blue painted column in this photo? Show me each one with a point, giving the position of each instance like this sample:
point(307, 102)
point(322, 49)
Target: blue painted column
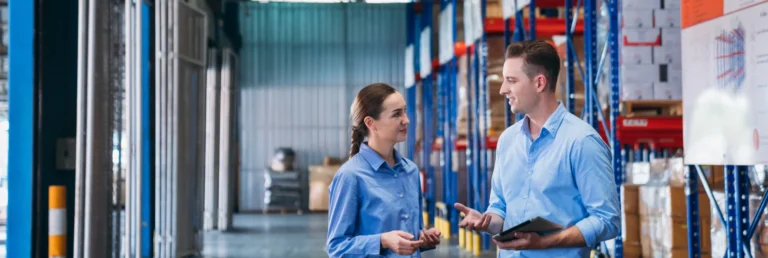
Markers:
point(590, 52)
point(618, 159)
point(427, 105)
point(741, 199)
point(507, 112)
point(532, 20)
point(519, 35)
point(482, 49)
point(570, 59)
point(21, 117)
point(692, 207)
point(730, 192)
point(410, 94)
point(453, 104)
point(147, 136)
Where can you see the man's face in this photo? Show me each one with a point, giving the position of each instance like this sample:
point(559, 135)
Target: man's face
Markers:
point(519, 89)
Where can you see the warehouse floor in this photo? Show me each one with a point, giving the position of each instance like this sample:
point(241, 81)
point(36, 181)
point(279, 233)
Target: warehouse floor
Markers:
point(273, 236)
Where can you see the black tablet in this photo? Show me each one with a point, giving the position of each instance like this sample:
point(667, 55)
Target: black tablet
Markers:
point(538, 224)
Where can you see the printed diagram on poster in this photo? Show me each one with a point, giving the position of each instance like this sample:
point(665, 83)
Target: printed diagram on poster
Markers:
point(725, 89)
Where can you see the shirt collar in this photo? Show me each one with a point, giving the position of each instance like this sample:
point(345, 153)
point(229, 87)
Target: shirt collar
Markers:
point(375, 160)
point(551, 125)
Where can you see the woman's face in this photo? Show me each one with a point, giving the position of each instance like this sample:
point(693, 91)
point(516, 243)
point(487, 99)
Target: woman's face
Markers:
point(392, 125)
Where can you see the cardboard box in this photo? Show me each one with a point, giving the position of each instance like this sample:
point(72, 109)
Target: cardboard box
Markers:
point(645, 237)
point(629, 199)
point(637, 55)
point(671, 37)
point(637, 18)
point(637, 91)
point(323, 173)
point(632, 250)
point(667, 55)
point(640, 4)
point(639, 74)
point(319, 195)
point(667, 91)
point(642, 37)
point(630, 229)
point(671, 73)
point(668, 201)
point(331, 161)
point(667, 18)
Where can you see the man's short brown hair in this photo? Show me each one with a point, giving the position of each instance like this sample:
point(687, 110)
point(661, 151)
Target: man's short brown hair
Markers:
point(539, 57)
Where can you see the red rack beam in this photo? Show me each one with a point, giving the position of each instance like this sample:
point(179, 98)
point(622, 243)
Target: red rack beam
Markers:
point(662, 132)
point(462, 144)
point(552, 3)
point(545, 27)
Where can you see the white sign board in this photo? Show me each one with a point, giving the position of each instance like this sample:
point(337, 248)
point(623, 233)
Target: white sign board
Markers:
point(410, 77)
point(510, 7)
point(725, 89)
point(425, 53)
point(446, 50)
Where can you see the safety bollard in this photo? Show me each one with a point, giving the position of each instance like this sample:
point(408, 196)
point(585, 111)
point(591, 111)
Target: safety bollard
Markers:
point(462, 236)
point(470, 241)
point(57, 221)
point(476, 250)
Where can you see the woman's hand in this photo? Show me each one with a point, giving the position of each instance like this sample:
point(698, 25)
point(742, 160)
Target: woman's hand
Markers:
point(429, 238)
point(400, 242)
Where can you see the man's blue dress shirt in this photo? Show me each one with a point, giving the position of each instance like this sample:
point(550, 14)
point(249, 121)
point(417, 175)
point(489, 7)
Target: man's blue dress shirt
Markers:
point(565, 176)
point(369, 198)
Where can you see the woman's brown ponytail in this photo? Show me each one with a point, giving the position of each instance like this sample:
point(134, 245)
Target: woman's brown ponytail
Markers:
point(368, 103)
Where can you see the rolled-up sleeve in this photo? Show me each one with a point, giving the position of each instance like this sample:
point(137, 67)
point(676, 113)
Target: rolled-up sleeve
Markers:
point(342, 218)
point(595, 180)
point(496, 203)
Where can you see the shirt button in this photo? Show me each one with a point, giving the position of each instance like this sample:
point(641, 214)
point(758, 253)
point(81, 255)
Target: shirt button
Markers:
point(525, 196)
point(405, 216)
point(402, 195)
point(395, 175)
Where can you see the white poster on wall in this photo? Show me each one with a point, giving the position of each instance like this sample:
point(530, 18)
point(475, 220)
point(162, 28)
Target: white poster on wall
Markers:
point(725, 89)
point(508, 9)
point(425, 52)
point(410, 77)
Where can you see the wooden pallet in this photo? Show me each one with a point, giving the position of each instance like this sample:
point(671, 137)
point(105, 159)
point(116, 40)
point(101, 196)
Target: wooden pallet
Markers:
point(647, 108)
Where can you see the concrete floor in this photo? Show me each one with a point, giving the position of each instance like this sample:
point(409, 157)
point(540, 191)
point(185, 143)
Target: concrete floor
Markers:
point(278, 236)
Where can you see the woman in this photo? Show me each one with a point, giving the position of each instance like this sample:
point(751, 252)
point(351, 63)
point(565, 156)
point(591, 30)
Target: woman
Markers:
point(375, 197)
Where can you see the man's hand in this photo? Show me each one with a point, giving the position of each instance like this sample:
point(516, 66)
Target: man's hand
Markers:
point(473, 220)
point(429, 238)
point(400, 242)
point(524, 241)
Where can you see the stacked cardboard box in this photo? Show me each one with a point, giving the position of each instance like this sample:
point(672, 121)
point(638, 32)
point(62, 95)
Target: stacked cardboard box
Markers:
point(630, 227)
point(664, 224)
point(651, 49)
point(320, 178)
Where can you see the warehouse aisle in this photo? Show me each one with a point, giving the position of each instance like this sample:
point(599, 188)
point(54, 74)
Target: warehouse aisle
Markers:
point(273, 236)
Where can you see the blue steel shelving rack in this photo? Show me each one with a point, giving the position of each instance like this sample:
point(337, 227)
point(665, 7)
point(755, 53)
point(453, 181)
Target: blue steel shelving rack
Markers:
point(447, 112)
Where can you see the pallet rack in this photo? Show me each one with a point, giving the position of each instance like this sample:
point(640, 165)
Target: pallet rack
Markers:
point(479, 146)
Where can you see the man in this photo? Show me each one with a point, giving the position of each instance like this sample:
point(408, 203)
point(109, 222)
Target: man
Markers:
point(551, 164)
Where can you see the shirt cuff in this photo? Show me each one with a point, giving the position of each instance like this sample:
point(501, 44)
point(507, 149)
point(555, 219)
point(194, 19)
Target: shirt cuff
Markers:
point(587, 228)
point(372, 244)
point(496, 211)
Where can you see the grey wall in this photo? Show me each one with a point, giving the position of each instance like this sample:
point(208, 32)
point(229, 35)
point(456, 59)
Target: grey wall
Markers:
point(301, 65)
